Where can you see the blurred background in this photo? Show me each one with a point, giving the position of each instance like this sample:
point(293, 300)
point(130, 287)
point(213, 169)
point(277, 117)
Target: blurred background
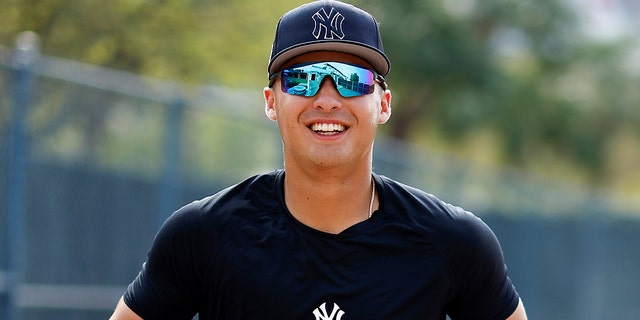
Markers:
point(113, 114)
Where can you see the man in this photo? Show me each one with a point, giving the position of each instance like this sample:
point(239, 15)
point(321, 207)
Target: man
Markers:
point(325, 238)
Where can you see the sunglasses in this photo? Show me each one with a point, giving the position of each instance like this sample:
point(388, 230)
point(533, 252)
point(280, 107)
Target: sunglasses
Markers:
point(305, 79)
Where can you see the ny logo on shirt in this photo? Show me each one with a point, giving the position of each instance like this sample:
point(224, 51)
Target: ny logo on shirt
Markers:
point(321, 312)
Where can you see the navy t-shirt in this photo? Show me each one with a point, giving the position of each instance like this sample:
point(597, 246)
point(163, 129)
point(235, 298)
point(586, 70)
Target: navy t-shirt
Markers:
point(239, 254)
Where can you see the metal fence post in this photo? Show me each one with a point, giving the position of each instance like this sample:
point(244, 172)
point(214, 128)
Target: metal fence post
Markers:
point(170, 188)
point(24, 59)
point(593, 241)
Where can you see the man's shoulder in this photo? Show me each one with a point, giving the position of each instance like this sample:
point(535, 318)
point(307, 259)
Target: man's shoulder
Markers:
point(400, 196)
point(255, 189)
point(440, 219)
point(230, 206)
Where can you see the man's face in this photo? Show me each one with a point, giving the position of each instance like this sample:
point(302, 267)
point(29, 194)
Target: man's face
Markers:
point(327, 130)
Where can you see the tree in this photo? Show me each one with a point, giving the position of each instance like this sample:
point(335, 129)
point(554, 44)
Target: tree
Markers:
point(517, 69)
point(460, 67)
point(224, 42)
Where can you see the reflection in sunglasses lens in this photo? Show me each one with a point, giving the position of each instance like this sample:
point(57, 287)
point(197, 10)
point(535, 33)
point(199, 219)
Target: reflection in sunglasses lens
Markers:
point(350, 80)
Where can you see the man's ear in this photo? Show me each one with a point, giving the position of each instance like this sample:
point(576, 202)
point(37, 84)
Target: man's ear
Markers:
point(385, 107)
point(269, 103)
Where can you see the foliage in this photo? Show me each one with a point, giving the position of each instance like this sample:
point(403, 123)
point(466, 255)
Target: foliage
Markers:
point(196, 41)
point(517, 69)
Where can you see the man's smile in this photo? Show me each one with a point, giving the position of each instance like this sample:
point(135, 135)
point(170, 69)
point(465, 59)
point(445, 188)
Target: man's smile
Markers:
point(327, 128)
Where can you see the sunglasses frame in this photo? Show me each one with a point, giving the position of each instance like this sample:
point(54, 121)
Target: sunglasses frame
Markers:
point(291, 69)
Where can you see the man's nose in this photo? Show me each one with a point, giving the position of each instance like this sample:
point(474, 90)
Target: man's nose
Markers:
point(328, 97)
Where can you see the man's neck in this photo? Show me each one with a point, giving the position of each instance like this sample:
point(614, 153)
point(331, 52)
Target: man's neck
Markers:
point(329, 200)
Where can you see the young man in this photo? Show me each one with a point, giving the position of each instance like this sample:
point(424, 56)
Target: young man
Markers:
point(325, 238)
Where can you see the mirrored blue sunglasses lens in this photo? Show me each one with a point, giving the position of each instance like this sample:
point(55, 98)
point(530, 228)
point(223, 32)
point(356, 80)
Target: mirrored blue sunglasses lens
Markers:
point(350, 80)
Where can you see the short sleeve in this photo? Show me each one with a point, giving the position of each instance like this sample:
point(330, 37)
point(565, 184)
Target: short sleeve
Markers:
point(168, 283)
point(482, 288)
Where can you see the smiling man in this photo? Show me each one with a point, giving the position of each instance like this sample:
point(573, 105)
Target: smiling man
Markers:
point(326, 237)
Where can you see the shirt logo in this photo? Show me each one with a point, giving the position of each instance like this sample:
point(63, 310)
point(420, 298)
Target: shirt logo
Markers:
point(321, 312)
point(330, 23)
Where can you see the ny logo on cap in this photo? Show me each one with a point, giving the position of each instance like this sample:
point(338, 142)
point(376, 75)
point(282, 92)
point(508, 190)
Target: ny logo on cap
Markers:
point(331, 24)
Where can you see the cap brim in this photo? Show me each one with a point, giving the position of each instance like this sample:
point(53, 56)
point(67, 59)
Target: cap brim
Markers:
point(377, 59)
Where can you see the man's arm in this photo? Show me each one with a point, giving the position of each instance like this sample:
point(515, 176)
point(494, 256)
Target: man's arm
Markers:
point(519, 313)
point(123, 312)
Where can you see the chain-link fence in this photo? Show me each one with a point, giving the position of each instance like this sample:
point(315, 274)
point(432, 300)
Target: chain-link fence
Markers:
point(93, 160)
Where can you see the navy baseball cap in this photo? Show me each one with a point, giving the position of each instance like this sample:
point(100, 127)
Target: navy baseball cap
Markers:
point(328, 25)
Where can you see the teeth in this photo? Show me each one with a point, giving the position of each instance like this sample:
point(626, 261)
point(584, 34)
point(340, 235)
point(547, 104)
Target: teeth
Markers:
point(327, 127)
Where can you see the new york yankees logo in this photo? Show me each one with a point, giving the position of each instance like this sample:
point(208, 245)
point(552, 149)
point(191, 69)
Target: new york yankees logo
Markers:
point(331, 24)
point(321, 312)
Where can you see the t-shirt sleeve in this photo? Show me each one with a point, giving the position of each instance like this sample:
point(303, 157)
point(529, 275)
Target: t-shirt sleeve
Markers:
point(482, 289)
point(167, 285)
